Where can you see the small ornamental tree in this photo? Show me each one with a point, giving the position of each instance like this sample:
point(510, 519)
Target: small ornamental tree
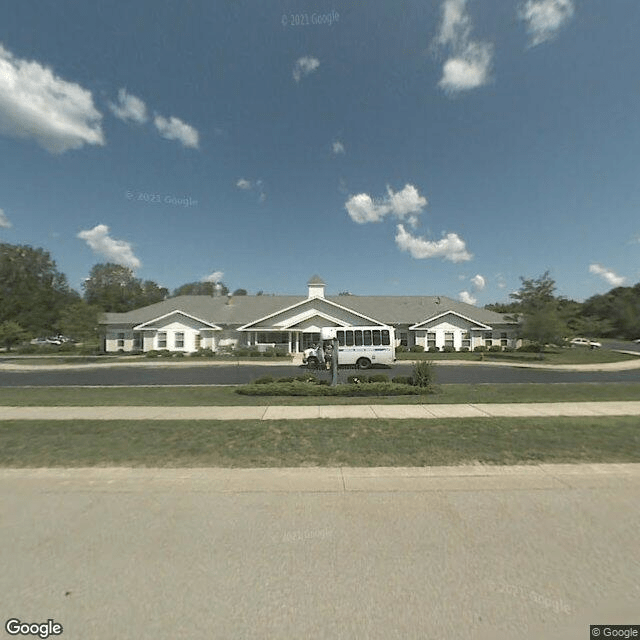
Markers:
point(11, 333)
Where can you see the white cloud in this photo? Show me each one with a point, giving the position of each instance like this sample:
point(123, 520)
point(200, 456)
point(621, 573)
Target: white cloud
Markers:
point(469, 62)
point(304, 66)
point(35, 103)
point(468, 70)
point(214, 277)
point(478, 282)
point(129, 108)
point(545, 18)
point(247, 185)
point(175, 129)
point(456, 24)
point(465, 296)
point(408, 202)
point(451, 247)
point(501, 282)
point(606, 274)
point(337, 147)
point(5, 223)
point(117, 251)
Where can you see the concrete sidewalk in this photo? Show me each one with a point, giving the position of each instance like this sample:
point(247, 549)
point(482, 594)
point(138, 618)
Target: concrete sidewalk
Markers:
point(327, 479)
point(371, 412)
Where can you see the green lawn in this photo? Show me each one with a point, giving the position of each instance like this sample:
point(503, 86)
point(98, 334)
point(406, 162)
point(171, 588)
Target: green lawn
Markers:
point(558, 356)
point(226, 396)
point(283, 443)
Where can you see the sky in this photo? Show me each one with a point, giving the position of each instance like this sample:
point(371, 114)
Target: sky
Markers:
point(393, 148)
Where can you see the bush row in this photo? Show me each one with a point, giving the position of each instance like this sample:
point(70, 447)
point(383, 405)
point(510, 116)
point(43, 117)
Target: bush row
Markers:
point(299, 388)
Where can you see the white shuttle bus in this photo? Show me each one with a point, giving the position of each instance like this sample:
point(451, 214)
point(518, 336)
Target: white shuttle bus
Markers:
point(359, 346)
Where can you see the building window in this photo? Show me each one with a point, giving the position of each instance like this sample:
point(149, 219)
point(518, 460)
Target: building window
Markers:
point(466, 340)
point(137, 340)
point(487, 335)
point(120, 340)
point(162, 340)
point(198, 341)
point(179, 340)
point(448, 339)
point(404, 339)
point(431, 340)
point(503, 339)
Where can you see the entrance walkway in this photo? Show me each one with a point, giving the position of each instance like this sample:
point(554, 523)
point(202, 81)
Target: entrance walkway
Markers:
point(371, 412)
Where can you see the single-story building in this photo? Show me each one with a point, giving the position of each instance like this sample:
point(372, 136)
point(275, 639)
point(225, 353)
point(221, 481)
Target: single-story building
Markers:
point(293, 323)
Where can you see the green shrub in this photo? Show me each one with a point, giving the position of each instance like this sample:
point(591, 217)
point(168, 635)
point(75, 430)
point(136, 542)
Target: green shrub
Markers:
point(152, 354)
point(448, 349)
point(434, 349)
point(27, 349)
point(178, 354)
point(402, 380)
point(529, 348)
point(508, 349)
point(378, 377)
point(401, 349)
point(323, 389)
point(307, 378)
point(264, 380)
point(480, 349)
point(417, 348)
point(495, 348)
point(464, 349)
point(423, 374)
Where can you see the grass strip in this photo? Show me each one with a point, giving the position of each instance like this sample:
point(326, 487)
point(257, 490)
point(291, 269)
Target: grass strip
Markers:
point(226, 396)
point(563, 356)
point(283, 443)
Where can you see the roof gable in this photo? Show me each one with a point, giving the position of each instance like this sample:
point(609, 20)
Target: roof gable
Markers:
point(152, 324)
point(422, 325)
point(284, 318)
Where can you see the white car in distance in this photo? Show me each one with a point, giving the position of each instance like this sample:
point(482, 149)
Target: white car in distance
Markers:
point(583, 342)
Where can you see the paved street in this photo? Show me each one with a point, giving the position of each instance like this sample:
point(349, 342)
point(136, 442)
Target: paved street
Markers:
point(536, 552)
point(184, 374)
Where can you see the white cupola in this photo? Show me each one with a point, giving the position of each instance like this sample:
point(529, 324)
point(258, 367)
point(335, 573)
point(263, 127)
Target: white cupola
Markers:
point(316, 287)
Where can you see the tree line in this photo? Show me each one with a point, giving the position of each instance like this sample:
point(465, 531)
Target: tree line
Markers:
point(36, 299)
point(548, 319)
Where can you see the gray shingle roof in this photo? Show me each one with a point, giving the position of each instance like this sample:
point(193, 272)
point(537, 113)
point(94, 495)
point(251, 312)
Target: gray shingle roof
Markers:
point(392, 310)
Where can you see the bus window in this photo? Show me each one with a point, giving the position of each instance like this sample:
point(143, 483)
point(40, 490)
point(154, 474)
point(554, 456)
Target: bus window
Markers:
point(385, 337)
point(367, 337)
point(376, 337)
point(358, 337)
point(340, 336)
point(349, 336)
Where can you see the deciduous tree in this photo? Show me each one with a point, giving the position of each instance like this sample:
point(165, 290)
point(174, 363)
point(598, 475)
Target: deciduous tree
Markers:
point(32, 290)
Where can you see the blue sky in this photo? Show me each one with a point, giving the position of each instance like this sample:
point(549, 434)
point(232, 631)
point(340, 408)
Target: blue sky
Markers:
point(409, 148)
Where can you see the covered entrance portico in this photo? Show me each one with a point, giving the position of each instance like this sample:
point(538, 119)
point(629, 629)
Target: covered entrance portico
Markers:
point(298, 327)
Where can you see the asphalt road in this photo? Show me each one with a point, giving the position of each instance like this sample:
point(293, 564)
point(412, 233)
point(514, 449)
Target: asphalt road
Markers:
point(154, 375)
point(147, 554)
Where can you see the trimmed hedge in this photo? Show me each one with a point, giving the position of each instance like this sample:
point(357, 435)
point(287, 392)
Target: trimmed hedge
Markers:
point(297, 388)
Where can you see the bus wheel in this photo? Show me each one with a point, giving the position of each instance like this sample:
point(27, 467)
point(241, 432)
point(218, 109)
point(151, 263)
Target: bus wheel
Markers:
point(312, 363)
point(363, 363)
